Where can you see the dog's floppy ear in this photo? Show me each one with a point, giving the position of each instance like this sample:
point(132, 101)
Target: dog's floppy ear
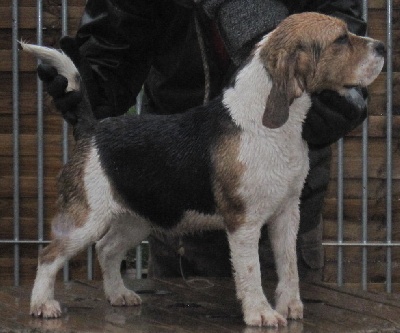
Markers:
point(287, 84)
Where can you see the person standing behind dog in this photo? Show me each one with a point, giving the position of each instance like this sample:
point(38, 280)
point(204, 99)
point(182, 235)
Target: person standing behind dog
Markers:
point(183, 52)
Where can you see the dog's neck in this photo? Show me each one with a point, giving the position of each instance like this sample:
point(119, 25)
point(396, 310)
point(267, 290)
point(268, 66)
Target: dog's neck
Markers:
point(247, 97)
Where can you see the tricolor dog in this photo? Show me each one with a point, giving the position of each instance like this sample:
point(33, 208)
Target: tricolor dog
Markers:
point(237, 163)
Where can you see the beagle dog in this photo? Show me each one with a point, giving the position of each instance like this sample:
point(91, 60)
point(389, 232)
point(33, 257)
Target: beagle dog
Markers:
point(237, 163)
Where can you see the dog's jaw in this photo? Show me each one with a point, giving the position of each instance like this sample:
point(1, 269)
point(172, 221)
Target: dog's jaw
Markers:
point(369, 68)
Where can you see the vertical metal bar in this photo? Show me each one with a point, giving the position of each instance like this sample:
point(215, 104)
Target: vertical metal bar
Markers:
point(364, 215)
point(40, 145)
point(389, 118)
point(90, 263)
point(15, 87)
point(64, 31)
point(340, 213)
point(139, 262)
point(139, 253)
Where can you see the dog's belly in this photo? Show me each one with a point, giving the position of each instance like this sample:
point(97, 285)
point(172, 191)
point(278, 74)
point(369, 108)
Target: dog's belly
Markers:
point(167, 204)
point(193, 221)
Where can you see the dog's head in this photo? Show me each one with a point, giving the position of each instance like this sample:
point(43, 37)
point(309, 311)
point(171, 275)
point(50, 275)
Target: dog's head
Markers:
point(312, 52)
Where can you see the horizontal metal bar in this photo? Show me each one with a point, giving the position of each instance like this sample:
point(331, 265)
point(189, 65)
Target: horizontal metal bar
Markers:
point(361, 244)
point(385, 244)
point(33, 241)
point(20, 241)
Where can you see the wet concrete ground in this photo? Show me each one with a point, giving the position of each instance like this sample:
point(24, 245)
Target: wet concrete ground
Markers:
point(173, 305)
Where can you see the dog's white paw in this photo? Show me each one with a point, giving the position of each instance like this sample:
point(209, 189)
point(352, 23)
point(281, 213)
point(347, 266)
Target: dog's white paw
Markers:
point(264, 317)
point(124, 297)
point(291, 310)
point(49, 309)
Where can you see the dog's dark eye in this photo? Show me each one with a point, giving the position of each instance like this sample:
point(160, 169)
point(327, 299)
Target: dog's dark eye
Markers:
point(343, 39)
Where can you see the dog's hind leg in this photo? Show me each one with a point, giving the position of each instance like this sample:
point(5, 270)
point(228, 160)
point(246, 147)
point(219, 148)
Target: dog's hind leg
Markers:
point(67, 243)
point(125, 233)
point(283, 233)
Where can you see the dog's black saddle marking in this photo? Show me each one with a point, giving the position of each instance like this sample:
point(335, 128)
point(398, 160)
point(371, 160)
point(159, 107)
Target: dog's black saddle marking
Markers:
point(161, 165)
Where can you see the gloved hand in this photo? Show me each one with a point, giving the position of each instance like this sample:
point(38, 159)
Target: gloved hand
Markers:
point(56, 84)
point(67, 102)
point(332, 116)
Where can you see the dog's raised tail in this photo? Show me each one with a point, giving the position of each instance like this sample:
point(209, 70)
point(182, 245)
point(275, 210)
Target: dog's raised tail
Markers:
point(81, 115)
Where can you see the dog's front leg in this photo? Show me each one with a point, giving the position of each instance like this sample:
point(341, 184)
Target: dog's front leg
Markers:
point(244, 251)
point(283, 233)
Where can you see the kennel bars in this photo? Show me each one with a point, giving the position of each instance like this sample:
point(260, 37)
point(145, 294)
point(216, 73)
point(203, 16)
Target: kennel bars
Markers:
point(340, 244)
point(364, 244)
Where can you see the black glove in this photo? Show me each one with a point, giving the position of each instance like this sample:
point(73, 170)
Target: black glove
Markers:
point(56, 84)
point(67, 102)
point(332, 116)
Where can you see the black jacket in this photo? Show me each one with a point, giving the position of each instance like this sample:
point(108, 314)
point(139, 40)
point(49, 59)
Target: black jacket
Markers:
point(154, 43)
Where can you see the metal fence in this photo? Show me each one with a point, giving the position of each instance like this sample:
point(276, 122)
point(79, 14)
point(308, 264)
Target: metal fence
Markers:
point(363, 243)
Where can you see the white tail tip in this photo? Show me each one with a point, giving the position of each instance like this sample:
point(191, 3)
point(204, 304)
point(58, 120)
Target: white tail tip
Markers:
point(59, 60)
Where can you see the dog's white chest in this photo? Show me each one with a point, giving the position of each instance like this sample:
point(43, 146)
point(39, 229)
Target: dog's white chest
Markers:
point(274, 171)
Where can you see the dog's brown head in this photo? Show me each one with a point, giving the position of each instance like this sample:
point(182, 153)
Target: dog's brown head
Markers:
point(312, 52)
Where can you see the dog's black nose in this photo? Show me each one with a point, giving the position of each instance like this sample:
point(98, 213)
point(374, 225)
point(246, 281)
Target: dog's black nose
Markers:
point(380, 49)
